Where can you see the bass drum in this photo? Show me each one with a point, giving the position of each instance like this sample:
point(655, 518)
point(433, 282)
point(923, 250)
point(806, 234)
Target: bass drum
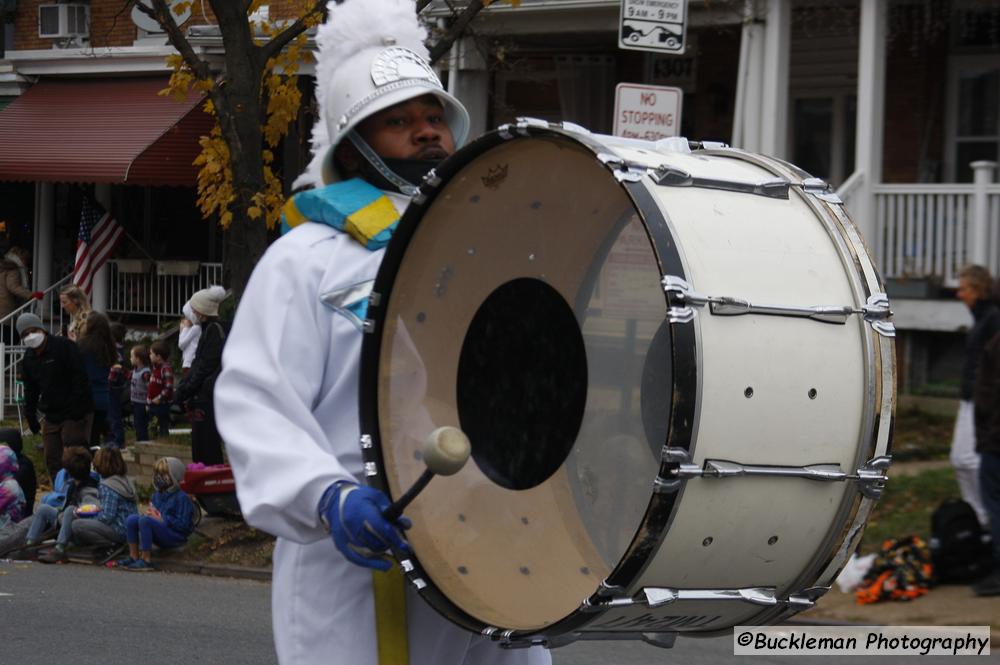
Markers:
point(675, 367)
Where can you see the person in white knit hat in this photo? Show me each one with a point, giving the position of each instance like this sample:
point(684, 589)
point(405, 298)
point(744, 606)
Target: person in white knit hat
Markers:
point(287, 399)
point(196, 387)
point(187, 337)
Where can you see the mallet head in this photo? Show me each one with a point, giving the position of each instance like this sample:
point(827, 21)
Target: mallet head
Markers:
point(446, 450)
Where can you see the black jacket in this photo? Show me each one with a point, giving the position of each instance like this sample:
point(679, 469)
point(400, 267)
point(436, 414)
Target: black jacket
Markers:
point(55, 382)
point(987, 399)
point(200, 381)
point(986, 324)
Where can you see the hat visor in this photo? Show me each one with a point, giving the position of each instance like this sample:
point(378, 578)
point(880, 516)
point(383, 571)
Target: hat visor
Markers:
point(455, 115)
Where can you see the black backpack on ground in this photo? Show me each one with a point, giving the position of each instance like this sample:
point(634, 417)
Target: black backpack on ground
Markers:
point(959, 548)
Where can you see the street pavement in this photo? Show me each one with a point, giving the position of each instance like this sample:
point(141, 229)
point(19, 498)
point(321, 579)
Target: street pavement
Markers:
point(84, 615)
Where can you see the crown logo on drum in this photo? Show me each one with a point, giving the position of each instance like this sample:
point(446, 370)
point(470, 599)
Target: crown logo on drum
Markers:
point(495, 176)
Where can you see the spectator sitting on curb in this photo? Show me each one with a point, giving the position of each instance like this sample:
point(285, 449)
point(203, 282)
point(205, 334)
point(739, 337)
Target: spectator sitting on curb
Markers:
point(168, 521)
point(11, 496)
point(26, 477)
point(82, 490)
point(117, 500)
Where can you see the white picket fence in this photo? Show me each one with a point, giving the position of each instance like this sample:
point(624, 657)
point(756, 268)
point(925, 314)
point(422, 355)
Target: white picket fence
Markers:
point(157, 288)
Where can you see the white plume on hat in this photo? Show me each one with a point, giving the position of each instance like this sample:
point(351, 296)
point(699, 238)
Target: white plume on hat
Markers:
point(206, 302)
point(350, 27)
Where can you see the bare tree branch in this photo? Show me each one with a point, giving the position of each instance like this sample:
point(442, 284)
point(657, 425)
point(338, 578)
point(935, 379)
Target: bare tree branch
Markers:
point(160, 13)
point(279, 41)
point(455, 30)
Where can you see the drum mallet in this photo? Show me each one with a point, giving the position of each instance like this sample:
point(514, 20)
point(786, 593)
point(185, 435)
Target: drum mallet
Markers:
point(446, 451)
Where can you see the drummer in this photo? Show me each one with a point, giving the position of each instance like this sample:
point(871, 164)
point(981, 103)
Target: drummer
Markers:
point(287, 398)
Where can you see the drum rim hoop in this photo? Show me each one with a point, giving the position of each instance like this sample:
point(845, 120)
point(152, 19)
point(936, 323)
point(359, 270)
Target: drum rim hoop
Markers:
point(662, 506)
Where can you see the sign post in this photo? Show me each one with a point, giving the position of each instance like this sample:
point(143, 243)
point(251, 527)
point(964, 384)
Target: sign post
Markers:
point(647, 112)
point(653, 25)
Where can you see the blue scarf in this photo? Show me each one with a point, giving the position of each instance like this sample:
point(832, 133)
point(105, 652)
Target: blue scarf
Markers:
point(353, 206)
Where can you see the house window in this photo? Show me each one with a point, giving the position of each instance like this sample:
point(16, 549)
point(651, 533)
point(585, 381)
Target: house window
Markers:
point(977, 118)
point(822, 135)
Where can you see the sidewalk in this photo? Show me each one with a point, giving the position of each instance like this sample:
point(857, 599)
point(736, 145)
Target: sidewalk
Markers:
point(946, 605)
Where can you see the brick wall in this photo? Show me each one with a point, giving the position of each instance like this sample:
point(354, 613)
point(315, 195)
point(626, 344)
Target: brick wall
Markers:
point(110, 25)
point(141, 458)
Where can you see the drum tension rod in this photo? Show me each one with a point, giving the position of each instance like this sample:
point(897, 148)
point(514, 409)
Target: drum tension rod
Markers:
point(870, 477)
point(875, 311)
point(674, 177)
point(654, 597)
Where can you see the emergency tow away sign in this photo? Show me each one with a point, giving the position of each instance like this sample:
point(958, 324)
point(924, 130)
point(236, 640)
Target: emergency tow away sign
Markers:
point(653, 25)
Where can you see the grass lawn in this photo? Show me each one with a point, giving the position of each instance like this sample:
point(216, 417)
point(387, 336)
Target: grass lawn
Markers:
point(921, 435)
point(907, 505)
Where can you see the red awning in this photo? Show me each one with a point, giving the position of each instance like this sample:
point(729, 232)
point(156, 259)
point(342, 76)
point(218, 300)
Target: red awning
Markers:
point(109, 130)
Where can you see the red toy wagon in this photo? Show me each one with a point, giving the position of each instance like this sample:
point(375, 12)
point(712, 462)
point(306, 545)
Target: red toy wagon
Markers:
point(213, 487)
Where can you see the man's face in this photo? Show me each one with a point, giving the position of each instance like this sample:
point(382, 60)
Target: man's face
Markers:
point(413, 129)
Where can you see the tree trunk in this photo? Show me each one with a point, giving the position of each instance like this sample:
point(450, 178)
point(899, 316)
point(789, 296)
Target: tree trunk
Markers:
point(239, 117)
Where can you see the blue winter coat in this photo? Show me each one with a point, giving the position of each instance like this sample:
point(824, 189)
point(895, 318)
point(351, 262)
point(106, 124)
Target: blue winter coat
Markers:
point(177, 511)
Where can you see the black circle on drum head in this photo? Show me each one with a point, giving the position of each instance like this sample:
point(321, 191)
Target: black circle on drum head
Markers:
point(522, 383)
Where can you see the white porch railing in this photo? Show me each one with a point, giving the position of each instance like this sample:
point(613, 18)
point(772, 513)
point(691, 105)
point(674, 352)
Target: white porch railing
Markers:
point(927, 231)
point(931, 231)
point(158, 289)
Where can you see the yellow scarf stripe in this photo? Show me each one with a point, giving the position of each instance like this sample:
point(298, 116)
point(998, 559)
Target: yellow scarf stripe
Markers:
point(390, 617)
point(367, 223)
point(290, 214)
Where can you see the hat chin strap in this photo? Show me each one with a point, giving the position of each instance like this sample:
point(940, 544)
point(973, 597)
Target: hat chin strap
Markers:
point(386, 177)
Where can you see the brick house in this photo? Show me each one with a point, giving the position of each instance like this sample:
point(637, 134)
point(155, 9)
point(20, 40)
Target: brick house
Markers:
point(891, 101)
point(79, 85)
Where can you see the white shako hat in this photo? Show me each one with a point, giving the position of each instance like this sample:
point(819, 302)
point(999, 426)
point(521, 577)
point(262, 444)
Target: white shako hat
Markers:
point(371, 56)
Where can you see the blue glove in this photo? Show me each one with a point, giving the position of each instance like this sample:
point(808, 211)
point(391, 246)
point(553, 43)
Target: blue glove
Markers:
point(354, 515)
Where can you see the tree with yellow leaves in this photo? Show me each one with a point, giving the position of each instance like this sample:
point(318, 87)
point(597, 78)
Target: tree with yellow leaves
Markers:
point(254, 99)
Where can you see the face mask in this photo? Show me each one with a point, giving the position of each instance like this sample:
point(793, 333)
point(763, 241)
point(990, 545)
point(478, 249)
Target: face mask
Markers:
point(161, 483)
point(395, 175)
point(34, 340)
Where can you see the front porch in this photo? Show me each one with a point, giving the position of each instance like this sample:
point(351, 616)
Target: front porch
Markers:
point(145, 295)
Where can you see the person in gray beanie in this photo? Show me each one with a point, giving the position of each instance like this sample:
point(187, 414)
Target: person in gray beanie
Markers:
point(55, 383)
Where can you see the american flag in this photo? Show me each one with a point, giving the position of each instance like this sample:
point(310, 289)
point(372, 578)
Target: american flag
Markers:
point(99, 233)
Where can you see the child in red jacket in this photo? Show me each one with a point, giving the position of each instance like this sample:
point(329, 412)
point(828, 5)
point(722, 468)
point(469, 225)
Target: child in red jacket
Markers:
point(160, 392)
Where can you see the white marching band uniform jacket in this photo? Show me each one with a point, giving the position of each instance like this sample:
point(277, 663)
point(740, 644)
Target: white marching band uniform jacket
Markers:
point(287, 408)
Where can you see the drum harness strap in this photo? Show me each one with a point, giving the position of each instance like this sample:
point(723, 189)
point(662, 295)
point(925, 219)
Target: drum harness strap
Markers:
point(390, 616)
point(352, 206)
